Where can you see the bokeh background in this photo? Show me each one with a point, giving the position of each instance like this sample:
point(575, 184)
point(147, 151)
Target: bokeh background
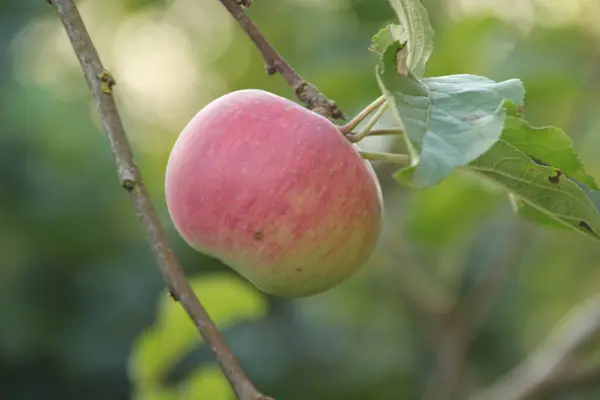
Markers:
point(83, 313)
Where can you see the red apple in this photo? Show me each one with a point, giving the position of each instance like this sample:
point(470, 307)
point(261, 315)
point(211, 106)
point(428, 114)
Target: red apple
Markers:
point(274, 191)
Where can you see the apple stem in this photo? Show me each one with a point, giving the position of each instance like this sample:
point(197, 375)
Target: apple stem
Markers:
point(380, 132)
point(353, 123)
point(403, 159)
point(357, 137)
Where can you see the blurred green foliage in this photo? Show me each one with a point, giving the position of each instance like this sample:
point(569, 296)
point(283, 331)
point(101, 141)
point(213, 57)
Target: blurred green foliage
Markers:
point(172, 336)
point(78, 284)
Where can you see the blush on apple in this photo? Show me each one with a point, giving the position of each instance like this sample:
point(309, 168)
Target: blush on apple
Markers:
point(274, 191)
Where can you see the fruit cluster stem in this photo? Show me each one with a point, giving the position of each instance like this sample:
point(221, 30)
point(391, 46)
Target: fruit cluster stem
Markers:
point(403, 159)
point(366, 131)
point(353, 123)
point(101, 83)
point(382, 132)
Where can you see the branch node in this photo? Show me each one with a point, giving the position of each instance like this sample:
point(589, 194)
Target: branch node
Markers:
point(316, 101)
point(244, 3)
point(270, 69)
point(128, 176)
point(106, 81)
point(128, 184)
point(173, 293)
point(260, 396)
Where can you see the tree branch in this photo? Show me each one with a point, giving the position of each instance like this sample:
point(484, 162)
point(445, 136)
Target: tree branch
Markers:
point(428, 299)
point(100, 83)
point(304, 90)
point(465, 319)
point(541, 367)
point(571, 380)
point(487, 290)
point(451, 357)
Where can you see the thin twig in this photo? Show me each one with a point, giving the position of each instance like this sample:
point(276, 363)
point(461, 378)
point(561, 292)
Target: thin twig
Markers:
point(580, 325)
point(100, 83)
point(304, 90)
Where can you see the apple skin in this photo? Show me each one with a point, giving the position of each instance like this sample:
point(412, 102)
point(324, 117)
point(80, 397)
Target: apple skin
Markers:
point(275, 191)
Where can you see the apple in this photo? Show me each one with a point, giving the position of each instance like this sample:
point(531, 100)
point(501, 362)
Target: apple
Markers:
point(274, 191)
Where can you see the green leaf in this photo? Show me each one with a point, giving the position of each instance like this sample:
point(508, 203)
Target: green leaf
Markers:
point(203, 383)
point(414, 19)
point(533, 214)
point(559, 199)
point(155, 392)
point(550, 144)
point(449, 121)
point(206, 383)
point(387, 36)
point(157, 350)
point(594, 195)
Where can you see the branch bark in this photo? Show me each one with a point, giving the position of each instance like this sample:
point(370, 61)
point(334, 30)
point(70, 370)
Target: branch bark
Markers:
point(487, 290)
point(451, 357)
point(542, 366)
point(428, 300)
point(571, 380)
point(462, 320)
point(101, 83)
point(304, 90)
